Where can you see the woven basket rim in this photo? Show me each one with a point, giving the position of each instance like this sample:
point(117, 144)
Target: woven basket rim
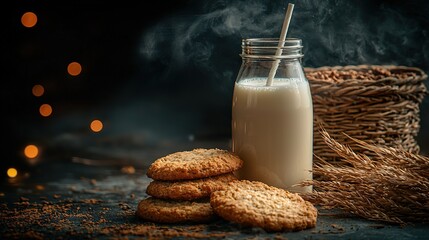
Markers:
point(421, 75)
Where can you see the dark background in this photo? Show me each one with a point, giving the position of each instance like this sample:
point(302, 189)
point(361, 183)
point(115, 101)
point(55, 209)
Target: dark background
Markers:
point(163, 74)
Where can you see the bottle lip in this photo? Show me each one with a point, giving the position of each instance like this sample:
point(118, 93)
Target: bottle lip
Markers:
point(297, 41)
point(264, 48)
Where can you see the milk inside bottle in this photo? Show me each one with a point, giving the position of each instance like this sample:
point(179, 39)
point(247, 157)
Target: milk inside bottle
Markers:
point(272, 126)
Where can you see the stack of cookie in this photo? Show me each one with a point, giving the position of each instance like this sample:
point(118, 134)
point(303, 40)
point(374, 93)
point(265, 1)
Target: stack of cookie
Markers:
point(182, 184)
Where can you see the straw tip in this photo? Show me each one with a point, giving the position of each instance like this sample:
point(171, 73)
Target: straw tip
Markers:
point(290, 7)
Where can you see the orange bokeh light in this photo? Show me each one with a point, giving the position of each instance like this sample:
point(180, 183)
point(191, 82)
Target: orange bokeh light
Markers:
point(96, 125)
point(38, 90)
point(12, 172)
point(45, 110)
point(74, 68)
point(29, 19)
point(31, 151)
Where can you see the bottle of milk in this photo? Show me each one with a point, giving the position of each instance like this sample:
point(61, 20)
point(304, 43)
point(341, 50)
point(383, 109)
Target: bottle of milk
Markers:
point(272, 126)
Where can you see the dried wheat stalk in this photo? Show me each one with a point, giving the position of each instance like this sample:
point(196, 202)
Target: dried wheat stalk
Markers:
point(391, 186)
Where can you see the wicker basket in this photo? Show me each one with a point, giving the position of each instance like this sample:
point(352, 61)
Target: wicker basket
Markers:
point(373, 103)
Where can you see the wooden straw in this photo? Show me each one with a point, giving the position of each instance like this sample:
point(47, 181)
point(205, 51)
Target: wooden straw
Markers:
point(281, 43)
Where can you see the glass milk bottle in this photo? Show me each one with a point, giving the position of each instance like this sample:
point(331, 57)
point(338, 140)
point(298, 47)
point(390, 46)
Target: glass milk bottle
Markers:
point(272, 126)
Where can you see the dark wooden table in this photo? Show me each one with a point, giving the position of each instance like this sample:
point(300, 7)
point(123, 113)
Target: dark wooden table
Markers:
point(76, 197)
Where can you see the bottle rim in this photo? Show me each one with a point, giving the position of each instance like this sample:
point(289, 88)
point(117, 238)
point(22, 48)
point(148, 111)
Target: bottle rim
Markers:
point(266, 48)
point(294, 40)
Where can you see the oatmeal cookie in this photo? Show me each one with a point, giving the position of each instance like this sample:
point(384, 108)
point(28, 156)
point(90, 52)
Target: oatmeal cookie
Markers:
point(198, 163)
point(165, 211)
point(255, 204)
point(188, 189)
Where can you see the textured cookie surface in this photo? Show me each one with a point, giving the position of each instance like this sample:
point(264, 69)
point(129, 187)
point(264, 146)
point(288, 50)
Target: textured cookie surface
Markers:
point(189, 189)
point(255, 204)
point(198, 163)
point(165, 211)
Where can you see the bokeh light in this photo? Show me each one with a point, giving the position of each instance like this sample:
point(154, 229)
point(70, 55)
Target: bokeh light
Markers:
point(31, 151)
point(29, 19)
point(45, 110)
point(12, 172)
point(96, 125)
point(128, 170)
point(38, 90)
point(74, 68)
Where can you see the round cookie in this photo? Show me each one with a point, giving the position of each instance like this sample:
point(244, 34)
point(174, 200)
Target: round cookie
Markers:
point(188, 189)
point(198, 163)
point(164, 211)
point(255, 204)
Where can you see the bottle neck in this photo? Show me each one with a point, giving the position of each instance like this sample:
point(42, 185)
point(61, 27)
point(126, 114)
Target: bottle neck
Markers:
point(268, 49)
point(262, 58)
